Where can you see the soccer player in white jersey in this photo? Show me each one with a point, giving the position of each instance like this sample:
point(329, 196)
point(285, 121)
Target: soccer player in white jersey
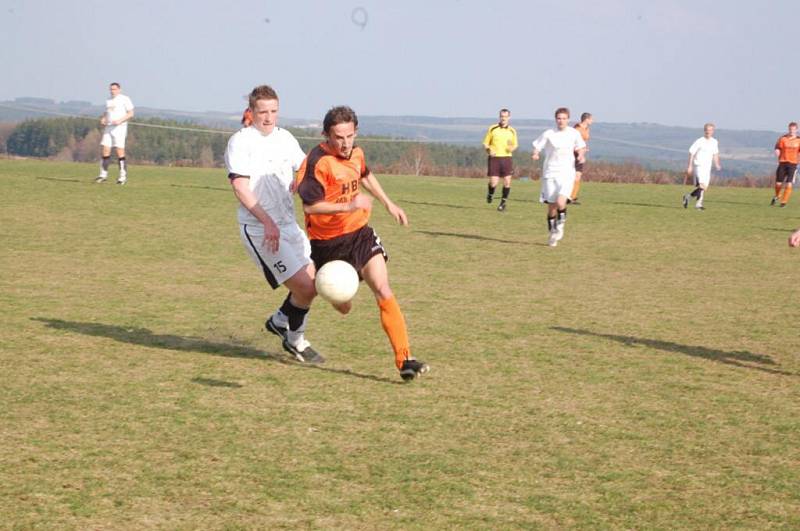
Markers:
point(702, 154)
point(119, 109)
point(262, 159)
point(562, 146)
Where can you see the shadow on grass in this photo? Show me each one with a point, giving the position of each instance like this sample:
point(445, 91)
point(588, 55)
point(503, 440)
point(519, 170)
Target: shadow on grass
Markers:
point(735, 357)
point(215, 188)
point(146, 338)
point(63, 180)
point(467, 236)
point(210, 382)
point(647, 205)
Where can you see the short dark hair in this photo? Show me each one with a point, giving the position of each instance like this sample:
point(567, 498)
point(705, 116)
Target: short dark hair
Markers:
point(341, 114)
point(585, 116)
point(114, 84)
point(504, 110)
point(261, 92)
point(792, 124)
point(562, 110)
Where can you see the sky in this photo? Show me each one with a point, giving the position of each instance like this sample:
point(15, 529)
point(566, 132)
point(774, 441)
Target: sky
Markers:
point(679, 62)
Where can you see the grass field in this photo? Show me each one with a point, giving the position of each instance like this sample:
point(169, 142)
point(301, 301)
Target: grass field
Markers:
point(644, 374)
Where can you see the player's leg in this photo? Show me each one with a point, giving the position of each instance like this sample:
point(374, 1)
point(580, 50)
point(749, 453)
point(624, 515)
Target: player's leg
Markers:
point(549, 195)
point(561, 209)
point(789, 176)
point(376, 276)
point(118, 137)
point(291, 266)
point(493, 180)
point(506, 189)
point(779, 177)
point(105, 157)
point(702, 180)
point(576, 188)
point(123, 164)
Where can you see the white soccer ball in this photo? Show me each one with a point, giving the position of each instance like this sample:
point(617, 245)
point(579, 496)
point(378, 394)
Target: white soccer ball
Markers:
point(337, 282)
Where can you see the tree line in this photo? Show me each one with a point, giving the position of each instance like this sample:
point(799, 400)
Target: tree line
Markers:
point(78, 139)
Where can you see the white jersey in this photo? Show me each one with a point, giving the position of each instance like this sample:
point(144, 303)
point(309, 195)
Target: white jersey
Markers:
point(116, 109)
point(559, 149)
point(704, 150)
point(270, 161)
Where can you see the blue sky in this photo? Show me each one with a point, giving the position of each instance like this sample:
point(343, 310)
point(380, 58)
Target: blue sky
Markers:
point(682, 62)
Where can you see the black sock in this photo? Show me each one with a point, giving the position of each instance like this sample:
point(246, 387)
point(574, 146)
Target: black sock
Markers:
point(551, 223)
point(105, 163)
point(506, 191)
point(122, 164)
point(491, 189)
point(296, 315)
point(696, 192)
point(562, 215)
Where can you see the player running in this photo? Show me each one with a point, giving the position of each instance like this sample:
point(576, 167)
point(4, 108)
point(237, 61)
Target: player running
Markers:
point(500, 142)
point(336, 221)
point(561, 145)
point(786, 149)
point(119, 109)
point(583, 128)
point(703, 152)
point(261, 159)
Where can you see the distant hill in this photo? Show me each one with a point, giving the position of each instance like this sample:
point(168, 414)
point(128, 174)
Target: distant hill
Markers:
point(652, 145)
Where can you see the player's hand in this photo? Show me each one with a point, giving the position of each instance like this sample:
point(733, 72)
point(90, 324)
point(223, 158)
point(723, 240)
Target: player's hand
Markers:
point(719, 168)
point(397, 213)
point(689, 171)
point(294, 185)
point(360, 202)
point(794, 239)
point(272, 237)
point(103, 121)
point(581, 159)
point(535, 155)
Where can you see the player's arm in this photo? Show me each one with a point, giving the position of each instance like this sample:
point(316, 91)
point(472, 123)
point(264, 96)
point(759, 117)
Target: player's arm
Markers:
point(538, 145)
point(312, 192)
point(371, 185)
point(359, 202)
point(128, 116)
point(689, 165)
point(716, 161)
point(778, 149)
point(512, 143)
point(487, 142)
point(247, 198)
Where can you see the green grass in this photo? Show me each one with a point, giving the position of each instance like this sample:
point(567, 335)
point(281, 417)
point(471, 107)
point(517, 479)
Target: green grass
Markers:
point(644, 374)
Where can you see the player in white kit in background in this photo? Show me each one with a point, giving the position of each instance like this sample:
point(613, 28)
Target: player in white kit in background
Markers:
point(562, 147)
point(702, 154)
point(119, 109)
point(262, 159)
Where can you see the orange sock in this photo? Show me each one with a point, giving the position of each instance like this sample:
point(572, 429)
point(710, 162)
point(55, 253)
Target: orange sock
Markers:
point(787, 193)
point(777, 190)
point(394, 324)
point(575, 190)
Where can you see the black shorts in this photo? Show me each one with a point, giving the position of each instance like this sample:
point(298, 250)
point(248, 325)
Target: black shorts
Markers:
point(500, 167)
point(578, 165)
point(785, 172)
point(355, 248)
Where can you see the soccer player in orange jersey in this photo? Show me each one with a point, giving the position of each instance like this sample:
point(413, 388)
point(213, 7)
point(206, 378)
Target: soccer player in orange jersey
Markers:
point(583, 128)
point(786, 149)
point(336, 212)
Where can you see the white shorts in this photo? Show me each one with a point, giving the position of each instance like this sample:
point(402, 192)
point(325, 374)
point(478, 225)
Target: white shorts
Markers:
point(114, 136)
point(702, 175)
point(294, 252)
point(552, 188)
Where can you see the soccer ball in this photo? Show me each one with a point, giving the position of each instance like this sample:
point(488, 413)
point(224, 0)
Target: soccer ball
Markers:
point(337, 282)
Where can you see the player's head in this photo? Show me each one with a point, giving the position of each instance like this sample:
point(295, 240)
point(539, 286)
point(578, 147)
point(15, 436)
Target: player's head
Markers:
point(792, 128)
point(562, 117)
point(114, 88)
point(340, 127)
point(263, 103)
point(708, 130)
point(505, 114)
point(586, 118)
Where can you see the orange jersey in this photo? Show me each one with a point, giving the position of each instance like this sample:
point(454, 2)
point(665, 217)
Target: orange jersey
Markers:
point(789, 148)
point(327, 177)
point(584, 131)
